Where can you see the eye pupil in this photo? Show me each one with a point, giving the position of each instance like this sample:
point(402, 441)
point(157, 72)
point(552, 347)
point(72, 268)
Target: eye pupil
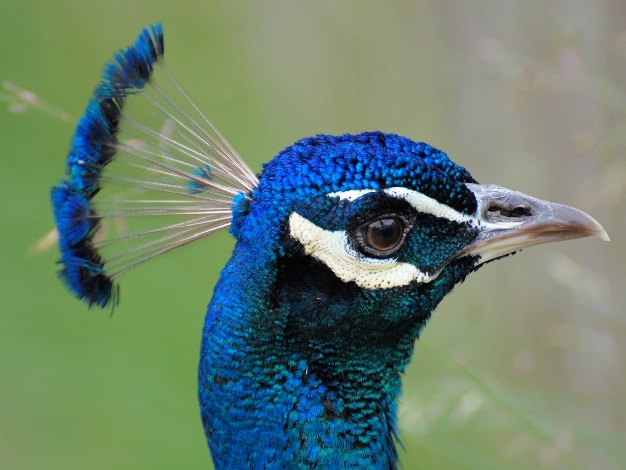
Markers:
point(384, 234)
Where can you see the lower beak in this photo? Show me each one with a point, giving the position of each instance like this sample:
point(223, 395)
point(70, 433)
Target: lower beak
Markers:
point(510, 221)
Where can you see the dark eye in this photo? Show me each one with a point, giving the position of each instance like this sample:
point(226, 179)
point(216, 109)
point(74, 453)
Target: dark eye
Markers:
point(382, 237)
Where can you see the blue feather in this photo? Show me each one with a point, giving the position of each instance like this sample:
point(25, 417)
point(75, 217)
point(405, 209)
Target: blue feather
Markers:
point(84, 276)
point(92, 149)
point(203, 172)
point(131, 69)
point(71, 216)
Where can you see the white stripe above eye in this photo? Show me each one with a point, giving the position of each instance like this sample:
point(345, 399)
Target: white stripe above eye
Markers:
point(334, 249)
point(427, 205)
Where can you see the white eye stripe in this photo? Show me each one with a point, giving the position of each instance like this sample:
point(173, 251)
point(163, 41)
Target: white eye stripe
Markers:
point(334, 250)
point(427, 205)
point(351, 195)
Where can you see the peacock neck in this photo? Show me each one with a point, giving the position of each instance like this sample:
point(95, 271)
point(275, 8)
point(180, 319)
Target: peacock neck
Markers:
point(283, 384)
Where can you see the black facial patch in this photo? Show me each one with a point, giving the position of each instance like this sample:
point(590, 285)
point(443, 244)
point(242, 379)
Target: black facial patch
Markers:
point(433, 242)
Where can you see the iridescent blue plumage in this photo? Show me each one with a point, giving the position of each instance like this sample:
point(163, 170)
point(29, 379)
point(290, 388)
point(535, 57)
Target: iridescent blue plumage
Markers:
point(315, 386)
point(132, 68)
point(92, 149)
point(345, 245)
point(204, 172)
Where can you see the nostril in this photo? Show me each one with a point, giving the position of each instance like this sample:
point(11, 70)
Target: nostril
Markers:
point(510, 212)
point(520, 212)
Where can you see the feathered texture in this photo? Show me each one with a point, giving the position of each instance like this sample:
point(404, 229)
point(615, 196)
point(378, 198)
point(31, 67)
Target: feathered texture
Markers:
point(345, 245)
point(92, 149)
point(132, 68)
point(298, 368)
point(189, 162)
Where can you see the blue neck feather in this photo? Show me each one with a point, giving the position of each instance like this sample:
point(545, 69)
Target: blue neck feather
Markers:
point(292, 373)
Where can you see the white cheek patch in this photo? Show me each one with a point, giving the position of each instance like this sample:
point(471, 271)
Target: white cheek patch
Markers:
point(334, 250)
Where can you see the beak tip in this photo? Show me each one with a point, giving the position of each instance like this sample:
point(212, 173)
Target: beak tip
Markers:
point(602, 235)
point(596, 229)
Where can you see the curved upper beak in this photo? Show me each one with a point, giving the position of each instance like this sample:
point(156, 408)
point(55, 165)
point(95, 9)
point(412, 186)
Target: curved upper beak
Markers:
point(510, 221)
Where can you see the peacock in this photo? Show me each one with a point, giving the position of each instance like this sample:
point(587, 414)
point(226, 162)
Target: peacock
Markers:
point(344, 246)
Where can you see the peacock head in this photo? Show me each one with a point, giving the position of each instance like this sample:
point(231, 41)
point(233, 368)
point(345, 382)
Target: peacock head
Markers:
point(377, 228)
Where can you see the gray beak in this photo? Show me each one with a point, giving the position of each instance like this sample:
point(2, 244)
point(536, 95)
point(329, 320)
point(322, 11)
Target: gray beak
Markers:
point(510, 221)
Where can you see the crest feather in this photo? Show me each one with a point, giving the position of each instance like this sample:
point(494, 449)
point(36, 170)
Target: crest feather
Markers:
point(134, 192)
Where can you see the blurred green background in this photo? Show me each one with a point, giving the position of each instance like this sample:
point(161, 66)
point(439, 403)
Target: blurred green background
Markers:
point(521, 367)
